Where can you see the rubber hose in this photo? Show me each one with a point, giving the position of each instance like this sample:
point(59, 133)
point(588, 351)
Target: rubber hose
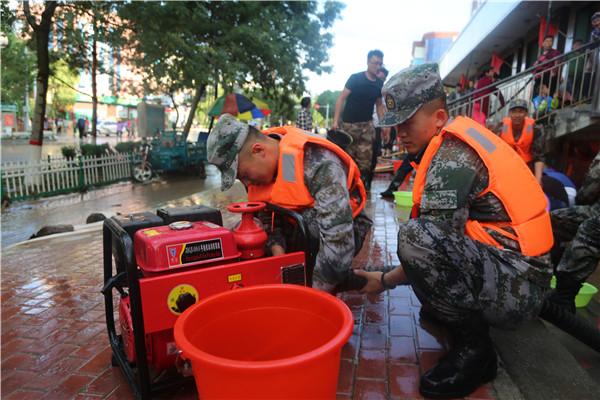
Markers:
point(573, 324)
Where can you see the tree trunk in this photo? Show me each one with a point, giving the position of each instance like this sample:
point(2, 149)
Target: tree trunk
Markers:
point(199, 93)
point(176, 109)
point(94, 83)
point(41, 33)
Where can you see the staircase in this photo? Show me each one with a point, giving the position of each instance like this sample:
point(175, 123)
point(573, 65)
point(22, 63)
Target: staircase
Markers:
point(575, 103)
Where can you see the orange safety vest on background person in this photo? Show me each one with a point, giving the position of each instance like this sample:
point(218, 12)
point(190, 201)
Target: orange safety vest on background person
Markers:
point(510, 180)
point(289, 189)
point(523, 145)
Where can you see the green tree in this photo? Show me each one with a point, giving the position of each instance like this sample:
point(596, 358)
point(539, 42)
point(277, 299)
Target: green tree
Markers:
point(18, 71)
point(41, 33)
point(328, 97)
point(63, 80)
point(81, 48)
point(248, 45)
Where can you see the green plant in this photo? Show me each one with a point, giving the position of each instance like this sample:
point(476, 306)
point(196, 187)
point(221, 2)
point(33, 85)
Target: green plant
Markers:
point(127, 147)
point(95, 150)
point(68, 152)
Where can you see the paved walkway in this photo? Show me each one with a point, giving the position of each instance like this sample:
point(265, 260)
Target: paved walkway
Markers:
point(55, 346)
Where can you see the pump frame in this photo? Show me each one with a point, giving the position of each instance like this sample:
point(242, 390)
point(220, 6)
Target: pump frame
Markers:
point(138, 376)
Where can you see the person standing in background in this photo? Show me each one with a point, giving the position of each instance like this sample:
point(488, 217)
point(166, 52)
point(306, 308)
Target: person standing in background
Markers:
point(304, 120)
point(354, 112)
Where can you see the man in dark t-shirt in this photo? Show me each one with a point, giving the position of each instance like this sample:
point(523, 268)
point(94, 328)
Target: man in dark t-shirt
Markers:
point(361, 92)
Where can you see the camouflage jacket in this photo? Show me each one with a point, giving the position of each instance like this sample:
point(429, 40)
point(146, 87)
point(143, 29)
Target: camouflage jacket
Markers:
point(330, 219)
point(538, 146)
point(455, 178)
point(589, 193)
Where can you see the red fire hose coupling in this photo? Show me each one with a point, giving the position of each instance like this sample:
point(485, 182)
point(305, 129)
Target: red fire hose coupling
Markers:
point(249, 236)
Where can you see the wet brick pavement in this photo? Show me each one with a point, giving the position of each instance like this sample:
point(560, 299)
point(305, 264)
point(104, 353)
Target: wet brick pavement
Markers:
point(55, 346)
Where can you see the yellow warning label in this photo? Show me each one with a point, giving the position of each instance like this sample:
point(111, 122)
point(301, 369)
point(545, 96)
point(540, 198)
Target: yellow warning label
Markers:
point(234, 278)
point(181, 297)
point(151, 232)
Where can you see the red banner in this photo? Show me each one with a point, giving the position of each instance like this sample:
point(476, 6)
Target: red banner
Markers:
point(463, 81)
point(496, 63)
point(552, 31)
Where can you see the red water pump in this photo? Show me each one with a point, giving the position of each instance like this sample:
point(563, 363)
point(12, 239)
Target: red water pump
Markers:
point(167, 262)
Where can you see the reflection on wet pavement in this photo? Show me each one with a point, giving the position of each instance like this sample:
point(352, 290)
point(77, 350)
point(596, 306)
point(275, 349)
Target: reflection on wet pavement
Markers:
point(23, 219)
point(55, 345)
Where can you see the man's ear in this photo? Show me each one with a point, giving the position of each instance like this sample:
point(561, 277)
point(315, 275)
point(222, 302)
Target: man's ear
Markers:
point(258, 149)
point(441, 117)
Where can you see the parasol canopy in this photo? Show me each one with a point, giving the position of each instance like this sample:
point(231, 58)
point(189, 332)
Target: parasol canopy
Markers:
point(260, 111)
point(232, 103)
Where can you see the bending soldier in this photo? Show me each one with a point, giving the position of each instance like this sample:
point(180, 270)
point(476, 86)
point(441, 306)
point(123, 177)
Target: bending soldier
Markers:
point(475, 252)
point(306, 173)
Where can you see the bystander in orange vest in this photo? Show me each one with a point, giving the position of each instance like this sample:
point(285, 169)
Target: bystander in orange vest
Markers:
point(523, 145)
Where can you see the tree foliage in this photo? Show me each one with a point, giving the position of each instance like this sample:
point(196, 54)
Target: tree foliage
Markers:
point(327, 97)
point(84, 47)
point(63, 79)
point(18, 71)
point(242, 45)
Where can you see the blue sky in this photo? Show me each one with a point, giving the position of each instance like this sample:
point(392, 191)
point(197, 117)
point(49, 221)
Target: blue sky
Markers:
point(389, 25)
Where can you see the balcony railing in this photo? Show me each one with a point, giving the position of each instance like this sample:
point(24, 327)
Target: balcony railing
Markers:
point(564, 81)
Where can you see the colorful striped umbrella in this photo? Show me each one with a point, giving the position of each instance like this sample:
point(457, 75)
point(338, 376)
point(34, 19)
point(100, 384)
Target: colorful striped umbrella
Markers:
point(252, 114)
point(232, 103)
point(260, 111)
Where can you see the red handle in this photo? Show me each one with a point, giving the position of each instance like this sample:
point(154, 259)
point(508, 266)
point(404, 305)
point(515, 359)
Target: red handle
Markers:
point(246, 207)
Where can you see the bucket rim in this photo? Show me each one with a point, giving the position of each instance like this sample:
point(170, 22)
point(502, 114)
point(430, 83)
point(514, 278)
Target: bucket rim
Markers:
point(338, 340)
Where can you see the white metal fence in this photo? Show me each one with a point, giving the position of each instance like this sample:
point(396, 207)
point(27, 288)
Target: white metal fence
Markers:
point(55, 175)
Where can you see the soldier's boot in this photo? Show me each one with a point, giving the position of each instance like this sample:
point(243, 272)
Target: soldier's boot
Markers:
point(565, 292)
point(470, 363)
point(388, 193)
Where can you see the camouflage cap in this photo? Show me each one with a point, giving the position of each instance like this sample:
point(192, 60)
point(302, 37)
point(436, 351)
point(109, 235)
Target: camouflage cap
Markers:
point(519, 103)
point(405, 92)
point(223, 145)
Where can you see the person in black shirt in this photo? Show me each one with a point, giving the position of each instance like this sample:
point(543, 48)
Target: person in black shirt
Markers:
point(361, 92)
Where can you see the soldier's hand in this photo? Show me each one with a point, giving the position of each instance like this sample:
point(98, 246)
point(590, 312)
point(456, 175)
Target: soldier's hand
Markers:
point(373, 285)
point(277, 250)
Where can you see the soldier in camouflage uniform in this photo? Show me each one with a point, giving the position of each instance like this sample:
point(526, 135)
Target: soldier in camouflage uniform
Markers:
point(518, 110)
point(462, 283)
point(329, 221)
point(579, 225)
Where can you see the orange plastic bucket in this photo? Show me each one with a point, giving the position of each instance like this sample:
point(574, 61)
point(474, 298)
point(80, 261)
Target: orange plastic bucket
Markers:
point(265, 342)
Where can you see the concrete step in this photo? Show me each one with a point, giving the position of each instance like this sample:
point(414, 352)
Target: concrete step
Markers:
point(542, 367)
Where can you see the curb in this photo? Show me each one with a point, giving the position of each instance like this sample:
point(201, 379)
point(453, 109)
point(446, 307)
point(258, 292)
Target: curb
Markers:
point(77, 230)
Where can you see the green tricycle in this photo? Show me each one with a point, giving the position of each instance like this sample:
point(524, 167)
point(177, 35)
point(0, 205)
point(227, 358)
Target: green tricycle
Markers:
point(170, 151)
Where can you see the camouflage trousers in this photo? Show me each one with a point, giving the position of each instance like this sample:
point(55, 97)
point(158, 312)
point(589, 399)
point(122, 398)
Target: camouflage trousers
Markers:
point(361, 149)
point(576, 240)
point(361, 227)
point(457, 277)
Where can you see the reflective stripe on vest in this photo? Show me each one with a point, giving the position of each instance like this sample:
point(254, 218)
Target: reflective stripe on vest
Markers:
point(289, 189)
point(510, 180)
point(523, 145)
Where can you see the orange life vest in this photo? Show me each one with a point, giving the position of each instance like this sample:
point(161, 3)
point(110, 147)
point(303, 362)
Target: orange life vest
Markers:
point(523, 145)
point(510, 180)
point(289, 190)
